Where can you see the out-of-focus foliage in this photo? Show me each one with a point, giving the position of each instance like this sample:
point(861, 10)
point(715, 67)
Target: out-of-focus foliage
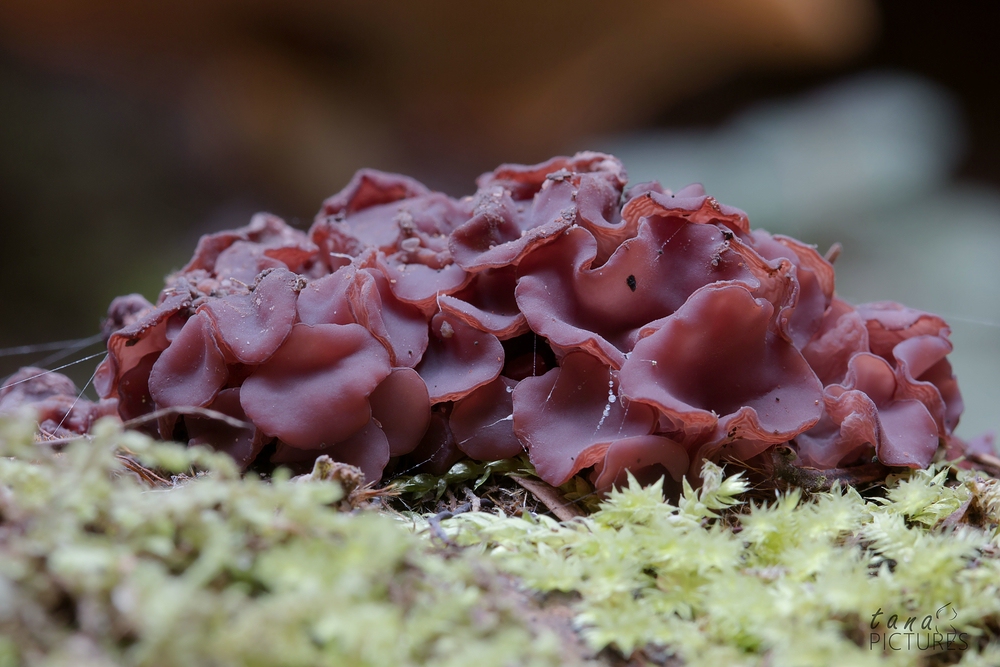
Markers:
point(99, 568)
point(791, 582)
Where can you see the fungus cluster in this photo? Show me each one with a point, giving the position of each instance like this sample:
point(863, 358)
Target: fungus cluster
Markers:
point(55, 401)
point(554, 311)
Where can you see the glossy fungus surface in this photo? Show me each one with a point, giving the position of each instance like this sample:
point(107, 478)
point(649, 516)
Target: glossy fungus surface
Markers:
point(553, 311)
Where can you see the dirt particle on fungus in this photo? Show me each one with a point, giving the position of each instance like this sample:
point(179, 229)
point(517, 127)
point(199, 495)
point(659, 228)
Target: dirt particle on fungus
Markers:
point(630, 281)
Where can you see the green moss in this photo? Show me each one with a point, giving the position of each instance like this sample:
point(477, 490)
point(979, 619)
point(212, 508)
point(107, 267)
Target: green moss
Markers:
point(98, 568)
point(792, 582)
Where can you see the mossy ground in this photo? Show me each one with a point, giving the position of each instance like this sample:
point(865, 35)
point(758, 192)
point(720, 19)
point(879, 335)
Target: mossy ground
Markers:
point(102, 565)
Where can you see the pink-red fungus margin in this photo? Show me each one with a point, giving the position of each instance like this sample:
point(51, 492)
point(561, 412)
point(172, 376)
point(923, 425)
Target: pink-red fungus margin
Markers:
point(652, 330)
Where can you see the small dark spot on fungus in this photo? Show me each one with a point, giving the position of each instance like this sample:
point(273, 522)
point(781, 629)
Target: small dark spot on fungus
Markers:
point(630, 281)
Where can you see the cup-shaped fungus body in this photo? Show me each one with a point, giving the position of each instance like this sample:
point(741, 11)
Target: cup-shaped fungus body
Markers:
point(552, 311)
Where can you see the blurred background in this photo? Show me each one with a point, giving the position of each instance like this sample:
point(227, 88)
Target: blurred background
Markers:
point(129, 129)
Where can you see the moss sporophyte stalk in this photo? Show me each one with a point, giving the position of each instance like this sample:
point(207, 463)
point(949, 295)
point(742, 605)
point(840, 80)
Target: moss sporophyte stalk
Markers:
point(101, 567)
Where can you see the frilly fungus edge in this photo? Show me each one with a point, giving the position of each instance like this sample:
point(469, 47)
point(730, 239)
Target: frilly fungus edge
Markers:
point(553, 311)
